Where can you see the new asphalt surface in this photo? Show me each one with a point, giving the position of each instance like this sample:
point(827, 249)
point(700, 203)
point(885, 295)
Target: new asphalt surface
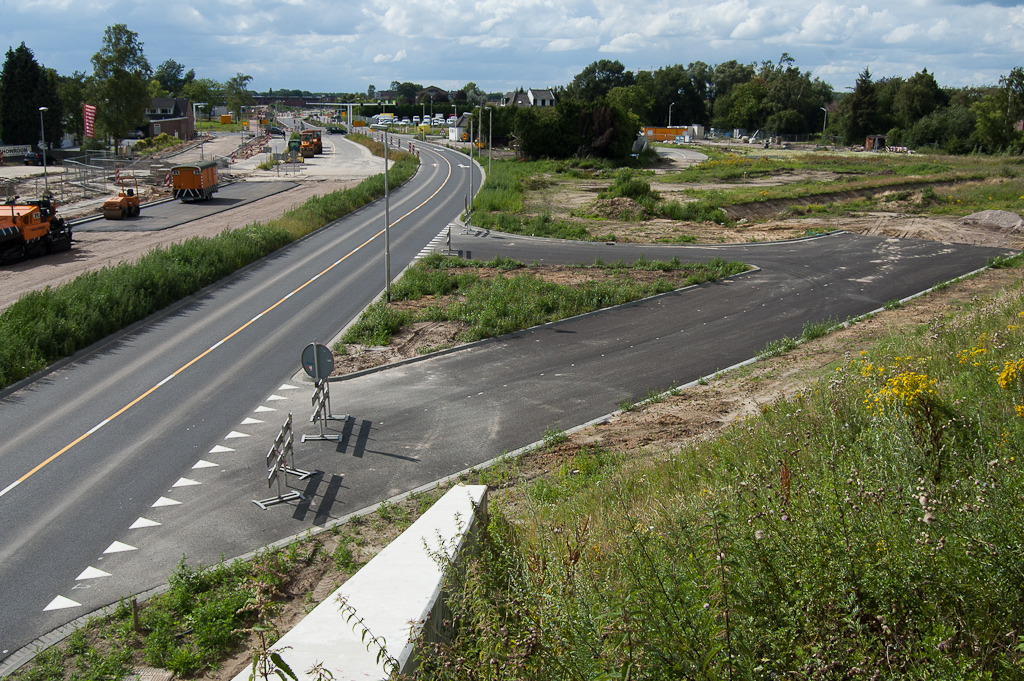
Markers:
point(171, 467)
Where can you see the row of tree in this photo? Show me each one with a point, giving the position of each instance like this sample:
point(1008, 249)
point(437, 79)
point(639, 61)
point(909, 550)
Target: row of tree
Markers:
point(122, 86)
point(600, 111)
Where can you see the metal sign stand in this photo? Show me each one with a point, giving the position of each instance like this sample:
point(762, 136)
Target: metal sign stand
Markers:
point(277, 459)
point(322, 411)
point(318, 363)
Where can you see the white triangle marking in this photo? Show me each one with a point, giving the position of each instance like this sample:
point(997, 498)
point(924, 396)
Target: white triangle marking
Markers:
point(234, 434)
point(185, 482)
point(261, 409)
point(204, 464)
point(92, 573)
point(276, 398)
point(220, 449)
point(60, 602)
point(118, 547)
point(164, 501)
point(285, 386)
point(143, 522)
point(251, 422)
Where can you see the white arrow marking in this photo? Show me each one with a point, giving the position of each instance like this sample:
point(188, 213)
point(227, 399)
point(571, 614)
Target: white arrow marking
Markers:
point(204, 464)
point(143, 522)
point(261, 409)
point(251, 422)
point(164, 501)
point(185, 482)
point(60, 602)
point(92, 573)
point(234, 434)
point(221, 449)
point(285, 386)
point(118, 547)
point(276, 398)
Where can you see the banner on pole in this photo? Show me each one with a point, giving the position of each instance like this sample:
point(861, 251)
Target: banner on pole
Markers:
point(90, 120)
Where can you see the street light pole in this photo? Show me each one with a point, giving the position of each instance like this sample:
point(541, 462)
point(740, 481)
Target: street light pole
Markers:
point(387, 218)
point(824, 123)
point(490, 138)
point(670, 113)
point(42, 137)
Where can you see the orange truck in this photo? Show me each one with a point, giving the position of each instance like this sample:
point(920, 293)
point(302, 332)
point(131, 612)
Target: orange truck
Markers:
point(31, 228)
point(194, 181)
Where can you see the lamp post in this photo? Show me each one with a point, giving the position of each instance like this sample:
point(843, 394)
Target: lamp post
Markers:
point(670, 113)
point(387, 217)
point(490, 137)
point(42, 138)
point(824, 123)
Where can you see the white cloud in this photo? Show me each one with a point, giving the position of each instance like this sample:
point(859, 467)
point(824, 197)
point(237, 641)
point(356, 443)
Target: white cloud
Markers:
point(390, 58)
point(630, 42)
point(901, 34)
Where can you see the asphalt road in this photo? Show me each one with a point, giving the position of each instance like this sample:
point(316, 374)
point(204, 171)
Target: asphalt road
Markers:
point(90, 446)
point(166, 214)
point(151, 445)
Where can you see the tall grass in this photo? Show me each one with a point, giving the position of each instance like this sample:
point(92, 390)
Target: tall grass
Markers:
point(492, 307)
point(44, 326)
point(871, 527)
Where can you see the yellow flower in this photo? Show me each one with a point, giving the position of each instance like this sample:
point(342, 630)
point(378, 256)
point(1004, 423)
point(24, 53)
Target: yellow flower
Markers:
point(1008, 376)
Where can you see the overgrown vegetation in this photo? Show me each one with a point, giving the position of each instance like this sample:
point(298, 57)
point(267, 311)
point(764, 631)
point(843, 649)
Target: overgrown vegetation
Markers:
point(872, 527)
point(502, 304)
point(44, 326)
point(208, 613)
point(151, 145)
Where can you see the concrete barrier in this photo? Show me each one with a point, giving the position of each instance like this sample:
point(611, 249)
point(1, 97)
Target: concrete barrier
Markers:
point(389, 603)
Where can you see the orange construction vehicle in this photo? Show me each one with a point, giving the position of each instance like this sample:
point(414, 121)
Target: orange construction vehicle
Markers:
point(31, 228)
point(126, 204)
point(194, 180)
point(311, 143)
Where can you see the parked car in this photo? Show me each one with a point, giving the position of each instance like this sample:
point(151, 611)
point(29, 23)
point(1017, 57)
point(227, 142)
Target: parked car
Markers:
point(35, 158)
point(276, 131)
point(405, 121)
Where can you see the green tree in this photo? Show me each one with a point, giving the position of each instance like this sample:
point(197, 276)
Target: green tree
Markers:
point(237, 95)
point(71, 90)
point(673, 86)
point(859, 113)
point(204, 91)
point(636, 99)
point(474, 94)
point(24, 87)
point(120, 83)
point(918, 97)
point(597, 79)
point(172, 77)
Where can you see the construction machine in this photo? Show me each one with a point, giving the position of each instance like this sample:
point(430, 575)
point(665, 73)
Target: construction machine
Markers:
point(31, 228)
point(126, 204)
point(311, 142)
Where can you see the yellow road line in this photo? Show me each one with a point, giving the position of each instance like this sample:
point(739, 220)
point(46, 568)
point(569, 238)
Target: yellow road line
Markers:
point(216, 345)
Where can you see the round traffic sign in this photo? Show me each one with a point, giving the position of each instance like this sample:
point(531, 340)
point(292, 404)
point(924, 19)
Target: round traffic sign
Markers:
point(317, 360)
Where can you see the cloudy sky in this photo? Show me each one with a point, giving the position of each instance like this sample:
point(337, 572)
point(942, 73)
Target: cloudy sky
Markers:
point(320, 45)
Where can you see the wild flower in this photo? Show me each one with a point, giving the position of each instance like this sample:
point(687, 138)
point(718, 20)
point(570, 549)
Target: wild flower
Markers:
point(1008, 376)
point(907, 389)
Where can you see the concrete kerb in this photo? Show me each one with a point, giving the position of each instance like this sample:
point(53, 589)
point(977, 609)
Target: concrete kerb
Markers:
point(27, 653)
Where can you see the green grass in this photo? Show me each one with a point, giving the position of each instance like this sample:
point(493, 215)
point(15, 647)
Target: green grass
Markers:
point(870, 527)
point(492, 307)
point(44, 326)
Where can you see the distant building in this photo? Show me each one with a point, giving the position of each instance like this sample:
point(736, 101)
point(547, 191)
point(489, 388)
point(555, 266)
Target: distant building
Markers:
point(433, 92)
point(171, 115)
point(529, 98)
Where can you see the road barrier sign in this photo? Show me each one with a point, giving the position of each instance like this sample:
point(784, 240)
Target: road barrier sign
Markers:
point(322, 411)
point(277, 465)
